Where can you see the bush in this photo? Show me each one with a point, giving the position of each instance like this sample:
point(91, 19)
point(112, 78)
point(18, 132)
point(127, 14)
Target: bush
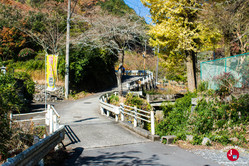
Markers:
point(16, 94)
point(114, 99)
point(140, 103)
point(211, 118)
point(16, 91)
point(226, 83)
point(176, 116)
point(90, 69)
point(26, 53)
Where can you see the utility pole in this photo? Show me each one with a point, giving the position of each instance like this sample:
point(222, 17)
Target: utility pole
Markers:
point(144, 55)
point(157, 65)
point(67, 50)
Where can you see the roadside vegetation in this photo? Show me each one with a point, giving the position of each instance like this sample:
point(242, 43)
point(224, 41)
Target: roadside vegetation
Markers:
point(221, 116)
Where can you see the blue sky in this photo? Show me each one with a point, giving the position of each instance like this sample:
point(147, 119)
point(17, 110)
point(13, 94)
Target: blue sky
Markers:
point(140, 9)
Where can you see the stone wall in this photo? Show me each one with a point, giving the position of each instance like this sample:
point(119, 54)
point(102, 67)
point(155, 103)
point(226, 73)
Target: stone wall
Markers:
point(57, 95)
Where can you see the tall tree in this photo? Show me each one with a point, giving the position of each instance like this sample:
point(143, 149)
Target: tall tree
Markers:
point(232, 19)
point(11, 42)
point(176, 27)
point(45, 26)
point(116, 34)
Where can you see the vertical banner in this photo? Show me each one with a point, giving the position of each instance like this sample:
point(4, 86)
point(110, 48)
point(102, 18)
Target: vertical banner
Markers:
point(51, 72)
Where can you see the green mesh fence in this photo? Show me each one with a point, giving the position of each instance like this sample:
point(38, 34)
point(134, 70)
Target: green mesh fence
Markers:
point(237, 66)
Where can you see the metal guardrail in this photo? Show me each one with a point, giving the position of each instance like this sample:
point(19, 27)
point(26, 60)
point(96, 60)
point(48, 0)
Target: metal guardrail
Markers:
point(134, 84)
point(122, 110)
point(35, 153)
point(51, 118)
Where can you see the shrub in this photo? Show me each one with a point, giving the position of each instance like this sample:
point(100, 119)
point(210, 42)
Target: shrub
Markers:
point(203, 86)
point(140, 103)
point(176, 116)
point(114, 99)
point(16, 91)
point(16, 94)
point(226, 83)
point(26, 53)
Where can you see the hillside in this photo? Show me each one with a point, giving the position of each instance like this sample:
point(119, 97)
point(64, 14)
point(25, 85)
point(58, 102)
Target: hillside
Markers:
point(29, 29)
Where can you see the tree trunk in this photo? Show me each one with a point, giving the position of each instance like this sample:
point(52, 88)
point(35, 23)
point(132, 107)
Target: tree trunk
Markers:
point(191, 74)
point(119, 74)
point(119, 81)
point(123, 54)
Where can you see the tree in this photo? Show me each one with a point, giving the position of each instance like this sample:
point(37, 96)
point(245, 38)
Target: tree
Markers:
point(232, 20)
point(177, 28)
point(45, 26)
point(11, 41)
point(116, 34)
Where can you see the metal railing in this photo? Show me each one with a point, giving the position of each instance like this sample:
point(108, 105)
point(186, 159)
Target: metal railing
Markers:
point(141, 81)
point(122, 110)
point(51, 118)
point(35, 153)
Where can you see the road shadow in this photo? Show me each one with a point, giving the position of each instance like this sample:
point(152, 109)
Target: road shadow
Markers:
point(37, 107)
point(116, 158)
point(82, 120)
point(71, 135)
point(73, 156)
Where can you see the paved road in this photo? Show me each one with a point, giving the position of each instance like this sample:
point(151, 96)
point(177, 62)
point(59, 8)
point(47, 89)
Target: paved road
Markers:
point(97, 140)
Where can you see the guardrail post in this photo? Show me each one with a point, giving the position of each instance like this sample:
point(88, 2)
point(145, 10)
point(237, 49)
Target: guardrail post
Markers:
point(135, 118)
point(50, 113)
point(152, 120)
point(102, 110)
point(122, 111)
point(54, 123)
point(128, 86)
point(107, 113)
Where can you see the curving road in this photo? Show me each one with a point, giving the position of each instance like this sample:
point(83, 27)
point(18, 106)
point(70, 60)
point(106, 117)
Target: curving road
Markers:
point(94, 139)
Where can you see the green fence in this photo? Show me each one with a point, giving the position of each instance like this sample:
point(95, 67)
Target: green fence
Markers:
point(237, 66)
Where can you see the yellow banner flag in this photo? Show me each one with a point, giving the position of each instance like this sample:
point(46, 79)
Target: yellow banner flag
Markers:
point(51, 71)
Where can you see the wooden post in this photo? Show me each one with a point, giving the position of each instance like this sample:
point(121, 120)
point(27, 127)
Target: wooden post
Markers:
point(135, 118)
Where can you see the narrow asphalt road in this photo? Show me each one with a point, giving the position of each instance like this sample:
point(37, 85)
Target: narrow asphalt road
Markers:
point(97, 140)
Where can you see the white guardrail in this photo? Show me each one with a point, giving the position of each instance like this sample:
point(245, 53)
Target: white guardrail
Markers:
point(122, 110)
point(35, 153)
point(51, 118)
point(134, 84)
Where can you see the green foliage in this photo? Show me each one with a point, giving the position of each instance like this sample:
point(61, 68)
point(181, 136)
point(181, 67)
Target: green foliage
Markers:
point(90, 69)
point(210, 118)
point(16, 92)
point(176, 116)
point(113, 99)
point(29, 65)
point(197, 139)
point(26, 53)
point(224, 139)
point(116, 7)
point(133, 100)
point(203, 86)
